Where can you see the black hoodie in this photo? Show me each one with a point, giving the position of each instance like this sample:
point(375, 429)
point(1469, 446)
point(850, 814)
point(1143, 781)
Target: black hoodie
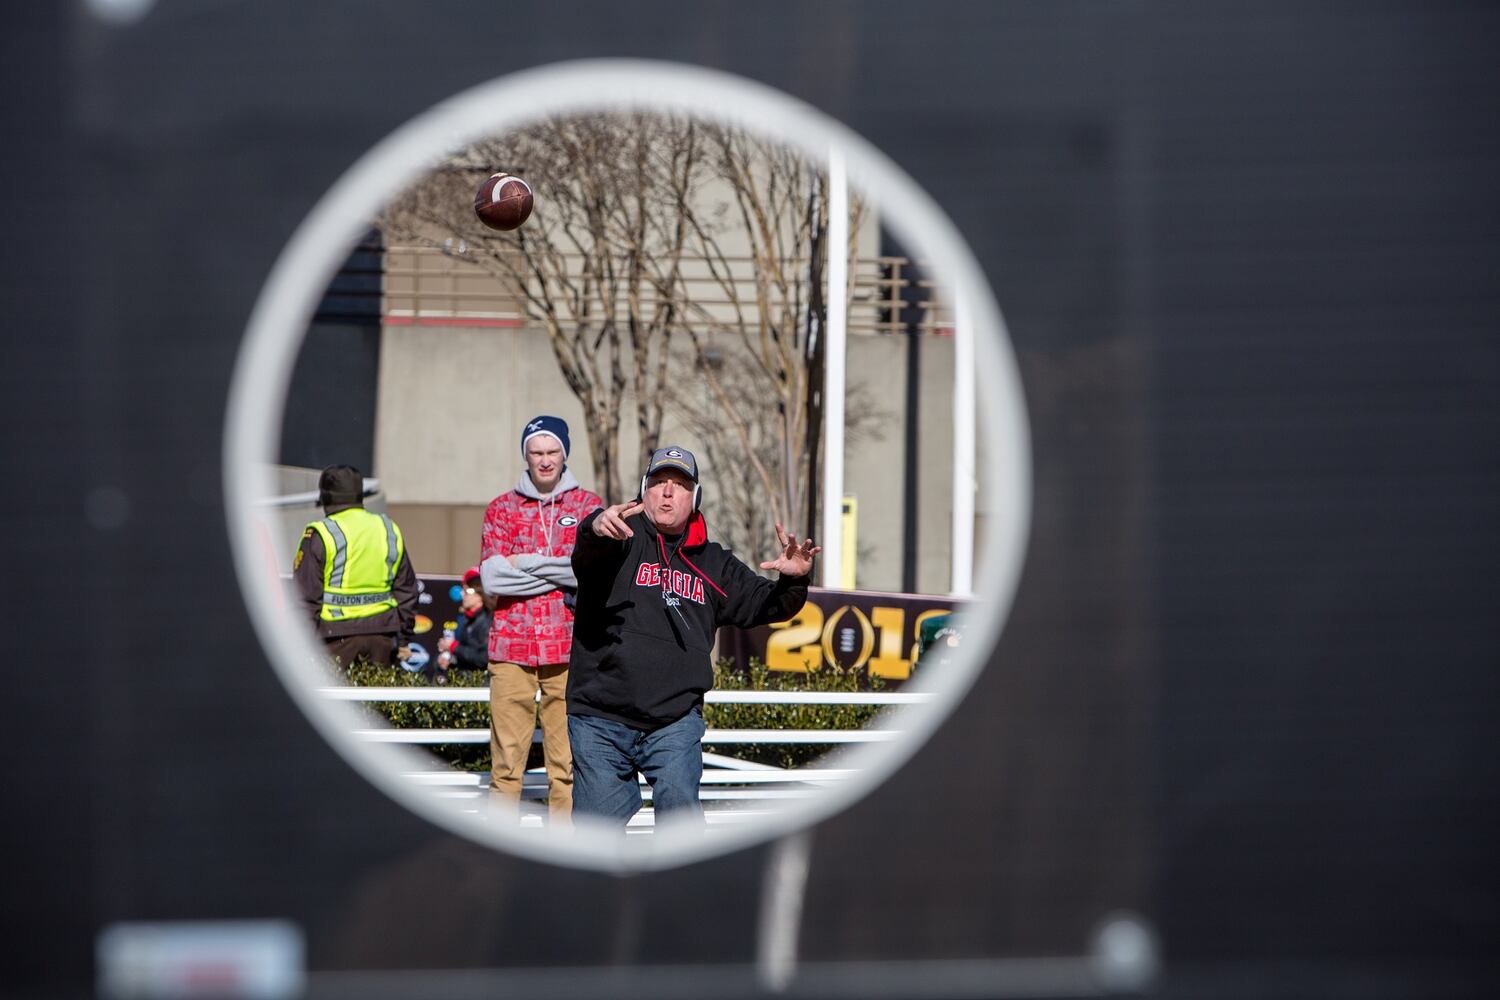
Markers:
point(648, 608)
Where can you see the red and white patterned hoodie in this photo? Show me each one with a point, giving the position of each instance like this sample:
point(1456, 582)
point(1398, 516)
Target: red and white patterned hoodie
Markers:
point(532, 624)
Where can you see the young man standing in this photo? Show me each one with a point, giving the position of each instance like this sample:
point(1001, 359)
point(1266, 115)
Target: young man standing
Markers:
point(652, 591)
point(526, 564)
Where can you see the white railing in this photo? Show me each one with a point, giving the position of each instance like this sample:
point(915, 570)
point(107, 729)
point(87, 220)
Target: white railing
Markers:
point(351, 693)
point(444, 736)
point(715, 736)
point(728, 782)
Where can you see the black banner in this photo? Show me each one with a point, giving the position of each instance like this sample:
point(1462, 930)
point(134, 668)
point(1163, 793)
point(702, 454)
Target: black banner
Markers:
point(438, 609)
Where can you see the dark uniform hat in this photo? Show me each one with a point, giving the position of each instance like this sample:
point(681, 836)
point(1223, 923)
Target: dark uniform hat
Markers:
point(341, 484)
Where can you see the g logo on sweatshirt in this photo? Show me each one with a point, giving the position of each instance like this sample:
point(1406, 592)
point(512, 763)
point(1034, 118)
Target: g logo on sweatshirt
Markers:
point(567, 520)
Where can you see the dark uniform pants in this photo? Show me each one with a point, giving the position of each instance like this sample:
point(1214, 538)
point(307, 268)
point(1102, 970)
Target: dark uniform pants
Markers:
point(378, 648)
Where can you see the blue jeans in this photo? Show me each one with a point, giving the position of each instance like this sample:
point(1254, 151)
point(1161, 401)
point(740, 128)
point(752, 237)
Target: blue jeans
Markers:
point(607, 755)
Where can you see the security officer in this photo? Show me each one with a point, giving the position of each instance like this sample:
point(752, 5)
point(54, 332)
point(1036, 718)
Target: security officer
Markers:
point(353, 575)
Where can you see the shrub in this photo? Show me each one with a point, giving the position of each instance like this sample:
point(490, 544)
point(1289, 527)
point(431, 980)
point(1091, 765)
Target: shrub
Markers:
point(759, 678)
point(430, 714)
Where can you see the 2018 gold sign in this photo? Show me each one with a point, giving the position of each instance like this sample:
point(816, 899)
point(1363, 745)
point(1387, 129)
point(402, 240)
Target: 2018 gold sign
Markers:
point(848, 637)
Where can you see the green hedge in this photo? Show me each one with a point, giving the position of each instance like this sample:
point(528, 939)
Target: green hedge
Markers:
point(760, 678)
point(476, 714)
point(432, 714)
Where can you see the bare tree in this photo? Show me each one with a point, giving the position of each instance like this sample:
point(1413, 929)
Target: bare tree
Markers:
point(770, 310)
point(658, 236)
point(589, 266)
point(736, 498)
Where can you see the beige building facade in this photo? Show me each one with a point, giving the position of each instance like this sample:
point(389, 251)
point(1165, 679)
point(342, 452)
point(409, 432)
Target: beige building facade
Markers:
point(452, 402)
point(462, 369)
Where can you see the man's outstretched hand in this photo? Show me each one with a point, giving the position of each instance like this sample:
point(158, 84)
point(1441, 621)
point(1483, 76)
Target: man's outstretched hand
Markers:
point(611, 520)
point(796, 560)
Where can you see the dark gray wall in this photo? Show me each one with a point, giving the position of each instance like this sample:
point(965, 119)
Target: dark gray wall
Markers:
point(1247, 255)
point(330, 409)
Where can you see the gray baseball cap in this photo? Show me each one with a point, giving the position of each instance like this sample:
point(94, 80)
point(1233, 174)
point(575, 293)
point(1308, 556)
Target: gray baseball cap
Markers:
point(673, 457)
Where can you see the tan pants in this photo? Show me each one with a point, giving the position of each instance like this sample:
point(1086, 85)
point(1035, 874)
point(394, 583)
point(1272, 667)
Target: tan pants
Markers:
point(513, 720)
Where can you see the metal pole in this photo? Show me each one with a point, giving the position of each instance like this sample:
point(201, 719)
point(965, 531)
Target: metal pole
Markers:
point(833, 372)
point(911, 327)
point(964, 483)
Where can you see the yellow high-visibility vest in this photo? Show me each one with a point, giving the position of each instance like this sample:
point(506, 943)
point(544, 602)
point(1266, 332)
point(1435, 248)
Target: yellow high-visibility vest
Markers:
point(361, 551)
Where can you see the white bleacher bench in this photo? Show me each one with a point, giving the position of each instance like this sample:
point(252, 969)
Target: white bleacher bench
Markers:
point(730, 786)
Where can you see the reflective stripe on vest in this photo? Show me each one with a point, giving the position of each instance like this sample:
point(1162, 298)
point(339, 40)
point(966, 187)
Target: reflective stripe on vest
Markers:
point(354, 600)
point(361, 551)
